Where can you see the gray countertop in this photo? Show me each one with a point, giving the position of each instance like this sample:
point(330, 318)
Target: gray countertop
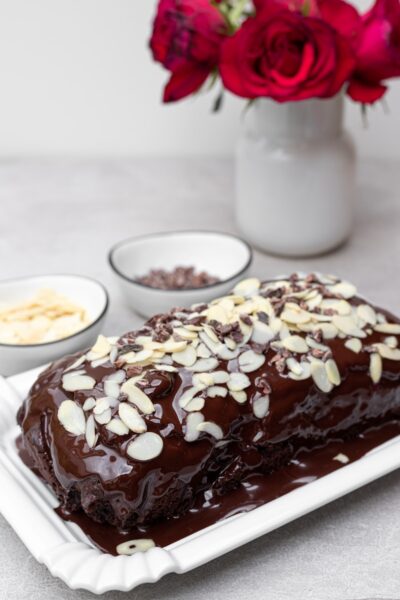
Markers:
point(62, 216)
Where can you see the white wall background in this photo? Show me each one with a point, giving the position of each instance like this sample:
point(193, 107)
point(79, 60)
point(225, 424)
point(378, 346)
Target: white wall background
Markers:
point(77, 79)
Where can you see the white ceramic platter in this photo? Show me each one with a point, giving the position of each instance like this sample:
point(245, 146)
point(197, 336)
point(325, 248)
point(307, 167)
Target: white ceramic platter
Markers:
point(28, 505)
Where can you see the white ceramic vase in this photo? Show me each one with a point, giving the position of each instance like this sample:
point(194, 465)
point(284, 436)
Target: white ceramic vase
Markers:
point(295, 177)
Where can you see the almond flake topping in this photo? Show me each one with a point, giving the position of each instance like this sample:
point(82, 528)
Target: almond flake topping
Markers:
point(320, 376)
point(73, 382)
point(192, 421)
point(101, 348)
point(146, 446)
point(134, 546)
point(118, 427)
point(137, 396)
point(211, 428)
point(217, 346)
point(295, 343)
point(375, 367)
point(90, 432)
point(250, 361)
point(131, 418)
point(342, 458)
point(387, 352)
point(393, 328)
point(261, 407)
point(354, 344)
point(186, 357)
point(238, 382)
point(72, 417)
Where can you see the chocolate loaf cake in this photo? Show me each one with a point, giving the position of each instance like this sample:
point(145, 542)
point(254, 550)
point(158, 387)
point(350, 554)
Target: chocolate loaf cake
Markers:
point(134, 429)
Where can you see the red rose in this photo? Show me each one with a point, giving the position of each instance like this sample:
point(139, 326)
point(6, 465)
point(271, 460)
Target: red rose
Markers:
point(186, 39)
point(378, 56)
point(284, 55)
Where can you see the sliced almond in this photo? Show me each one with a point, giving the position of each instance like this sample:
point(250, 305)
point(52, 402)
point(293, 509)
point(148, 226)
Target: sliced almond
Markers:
point(333, 372)
point(375, 367)
point(343, 288)
point(131, 418)
point(90, 433)
point(204, 364)
point(72, 382)
point(342, 458)
point(240, 397)
point(250, 361)
point(89, 404)
point(133, 546)
point(295, 343)
point(79, 361)
point(202, 380)
point(261, 407)
point(211, 428)
point(137, 396)
point(238, 382)
point(387, 352)
point(220, 376)
point(118, 427)
point(295, 316)
point(104, 417)
point(393, 328)
point(320, 376)
point(314, 301)
point(262, 333)
point(217, 313)
point(168, 368)
point(247, 287)
point(342, 307)
point(294, 366)
point(210, 343)
point(195, 405)
point(226, 354)
point(348, 326)
point(202, 351)
point(102, 404)
point(305, 372)
point(135, 358)
point(215, 391)
point(72, 417)
point(186, 333)
point(186, 357)
point(391, 341)
point(171, 345)
point(354, 344)
point(367, 314)
point(146, 446)
point(101, 348)
point(230, 343)
point(188, 395)
point(98, 362)
point(211, 333)
point(275, 325)
point(192, 421)
point(315, 345)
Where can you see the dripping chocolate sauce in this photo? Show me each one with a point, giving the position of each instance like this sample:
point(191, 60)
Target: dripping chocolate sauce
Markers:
point(257, 489)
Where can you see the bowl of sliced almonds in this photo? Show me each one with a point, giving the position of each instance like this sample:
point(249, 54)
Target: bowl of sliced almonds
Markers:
point(45, 317)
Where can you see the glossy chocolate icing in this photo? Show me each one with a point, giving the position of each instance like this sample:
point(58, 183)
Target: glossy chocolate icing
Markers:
point(111, 487)
point(254, 491)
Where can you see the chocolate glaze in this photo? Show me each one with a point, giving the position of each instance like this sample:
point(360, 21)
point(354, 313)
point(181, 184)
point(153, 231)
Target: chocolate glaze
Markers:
point(110, 487)
point(254, 491)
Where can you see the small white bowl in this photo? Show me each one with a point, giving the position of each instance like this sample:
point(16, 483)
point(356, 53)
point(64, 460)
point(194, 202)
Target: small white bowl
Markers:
point(220, 254)
point(85, 292)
